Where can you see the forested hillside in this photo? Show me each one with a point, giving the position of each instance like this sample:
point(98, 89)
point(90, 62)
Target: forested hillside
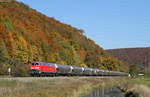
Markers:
point(27, 35)
point(132, 56)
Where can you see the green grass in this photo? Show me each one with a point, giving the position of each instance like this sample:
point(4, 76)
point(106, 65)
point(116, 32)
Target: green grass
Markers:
point(8, 83)
point(142, 80)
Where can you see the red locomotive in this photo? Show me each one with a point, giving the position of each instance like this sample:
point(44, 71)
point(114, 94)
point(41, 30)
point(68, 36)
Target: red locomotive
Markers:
point(38, 68)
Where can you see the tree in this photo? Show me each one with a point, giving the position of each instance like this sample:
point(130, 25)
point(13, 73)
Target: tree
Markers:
point(133, 70)
point(147, 70)
point(19, 68)
point(3, 57)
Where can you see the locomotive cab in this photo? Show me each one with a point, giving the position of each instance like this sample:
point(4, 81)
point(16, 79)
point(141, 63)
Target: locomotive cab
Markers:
point(35, 68)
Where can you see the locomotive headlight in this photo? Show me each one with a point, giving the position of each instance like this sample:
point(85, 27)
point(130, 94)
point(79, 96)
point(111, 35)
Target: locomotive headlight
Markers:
point(71, 67)
point(56, 66)
point(35, 67)
point(32, 68)
point(82, 69)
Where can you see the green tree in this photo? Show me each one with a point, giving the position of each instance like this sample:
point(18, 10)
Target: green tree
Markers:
point(18, 68)
point(147, 70)
point(68, 54)
point(134, 70)
point(3, 57)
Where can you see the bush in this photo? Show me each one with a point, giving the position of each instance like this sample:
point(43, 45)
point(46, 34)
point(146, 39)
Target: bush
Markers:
point(19, 69)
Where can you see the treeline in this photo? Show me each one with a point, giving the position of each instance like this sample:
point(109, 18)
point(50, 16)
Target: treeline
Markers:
point(136, 58)
point(27, 35)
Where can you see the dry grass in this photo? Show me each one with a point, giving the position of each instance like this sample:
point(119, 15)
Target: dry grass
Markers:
point(52, 87)
point(141, 86)
point(142, 90)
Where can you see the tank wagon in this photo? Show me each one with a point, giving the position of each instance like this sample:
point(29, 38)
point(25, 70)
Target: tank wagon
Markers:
point(52, 69)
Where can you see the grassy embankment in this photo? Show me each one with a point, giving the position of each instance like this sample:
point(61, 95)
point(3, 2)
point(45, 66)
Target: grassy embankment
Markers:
point(53, 87)
point(142, 80)
point(140, 85)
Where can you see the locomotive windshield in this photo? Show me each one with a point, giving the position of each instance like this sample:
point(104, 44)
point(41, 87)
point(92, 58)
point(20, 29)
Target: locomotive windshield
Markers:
point(32, 63)
point(35, 64)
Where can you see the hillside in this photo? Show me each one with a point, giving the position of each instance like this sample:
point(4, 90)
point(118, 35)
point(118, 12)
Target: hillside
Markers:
point(27, 35)
point(132, 56)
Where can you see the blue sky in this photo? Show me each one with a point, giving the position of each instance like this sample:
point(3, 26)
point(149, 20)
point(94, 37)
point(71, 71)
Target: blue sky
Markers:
point(110, 23)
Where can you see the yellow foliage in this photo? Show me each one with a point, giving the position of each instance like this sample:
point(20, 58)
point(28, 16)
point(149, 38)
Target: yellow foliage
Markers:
point(62, 62)
point(23, 43)
point(51, 58)
point(102, 67)
point(36, 53)
point(12, 45)
point(83, 65)
point(23, 56)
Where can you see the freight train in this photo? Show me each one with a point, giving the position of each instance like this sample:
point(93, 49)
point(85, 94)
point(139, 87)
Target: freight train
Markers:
point(52, 69)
